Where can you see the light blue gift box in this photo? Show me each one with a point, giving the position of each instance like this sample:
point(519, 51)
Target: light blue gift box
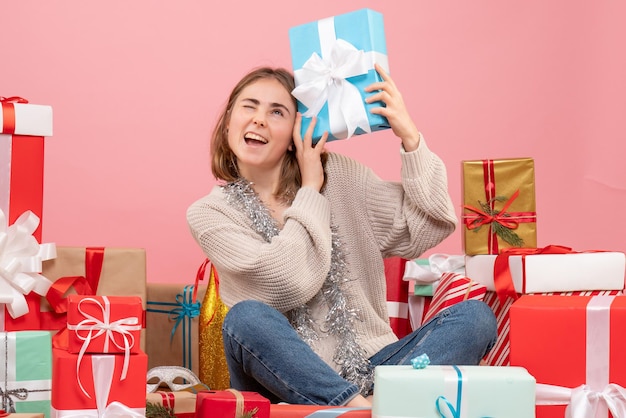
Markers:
point(456, 391)
point(364, 30)
point(26, 371)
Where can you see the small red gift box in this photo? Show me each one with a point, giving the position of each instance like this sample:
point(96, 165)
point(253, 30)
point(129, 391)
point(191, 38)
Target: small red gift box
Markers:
point(104, 324)
point(231, 403)
point(314, 411)
point(82, 385)
point(567, 342)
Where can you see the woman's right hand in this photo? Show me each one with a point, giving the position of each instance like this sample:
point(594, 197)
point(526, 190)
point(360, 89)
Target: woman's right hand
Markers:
point(309, 155)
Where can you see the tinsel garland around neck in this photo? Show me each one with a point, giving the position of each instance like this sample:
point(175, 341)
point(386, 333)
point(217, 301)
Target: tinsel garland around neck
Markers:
point(349, 355)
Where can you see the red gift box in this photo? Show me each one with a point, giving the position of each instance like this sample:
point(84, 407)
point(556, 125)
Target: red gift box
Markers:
point(499, 353)
point(85, 385)
point(397, 296)
point(104, 324)
point(314, 411)
point(568, 342)
point(231, 403)
point(22, 130)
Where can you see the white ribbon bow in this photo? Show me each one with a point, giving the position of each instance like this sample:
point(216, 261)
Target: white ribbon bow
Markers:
point(102, 368)
point(583, 402)
point(438, 264)
point(21, 258)
point(322, 80)
point(96, 327)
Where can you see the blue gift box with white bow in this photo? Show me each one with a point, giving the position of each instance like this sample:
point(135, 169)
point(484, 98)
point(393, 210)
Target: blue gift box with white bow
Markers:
point(333, 61)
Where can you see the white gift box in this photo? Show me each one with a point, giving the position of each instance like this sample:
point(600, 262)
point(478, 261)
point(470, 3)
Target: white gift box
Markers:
point(542, 273)
point(455, 391)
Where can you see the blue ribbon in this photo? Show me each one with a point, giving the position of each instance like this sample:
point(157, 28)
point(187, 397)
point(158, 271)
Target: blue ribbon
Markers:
point(184, 310)
point(456, 412)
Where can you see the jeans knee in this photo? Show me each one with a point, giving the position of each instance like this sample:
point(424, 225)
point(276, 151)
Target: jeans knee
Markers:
point(244, 313)
point(484, 319)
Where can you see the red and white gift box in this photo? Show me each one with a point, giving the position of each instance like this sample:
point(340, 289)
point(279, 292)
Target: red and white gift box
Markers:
point(452, 289)
point(23, 127)
point(574, 346)
point(552, 268)
point(96, 385)
point(104, 324)
point(231, 403)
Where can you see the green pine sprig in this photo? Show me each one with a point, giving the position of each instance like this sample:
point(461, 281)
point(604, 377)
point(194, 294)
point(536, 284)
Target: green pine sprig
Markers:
point(507, 234)
point(154, 410)
point(249, 414)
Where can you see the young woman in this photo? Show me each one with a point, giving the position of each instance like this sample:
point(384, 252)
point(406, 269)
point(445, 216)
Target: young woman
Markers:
point(298, 236)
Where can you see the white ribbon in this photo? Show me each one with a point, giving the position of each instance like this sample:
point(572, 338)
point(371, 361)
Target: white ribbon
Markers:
point(102, 368)
point(597, 396)
point(96, 327)
point(324, 79)
point(583, 402)
point(21, 258)
point(438, 264)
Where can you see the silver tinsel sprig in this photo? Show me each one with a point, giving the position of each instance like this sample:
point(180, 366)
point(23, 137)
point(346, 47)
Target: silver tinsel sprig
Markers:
point(339, 321)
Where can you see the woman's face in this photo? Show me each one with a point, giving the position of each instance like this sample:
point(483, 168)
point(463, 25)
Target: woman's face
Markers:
point(260, 127)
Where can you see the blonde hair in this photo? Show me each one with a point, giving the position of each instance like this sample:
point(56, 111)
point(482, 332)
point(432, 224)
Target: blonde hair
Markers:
point(223, 160)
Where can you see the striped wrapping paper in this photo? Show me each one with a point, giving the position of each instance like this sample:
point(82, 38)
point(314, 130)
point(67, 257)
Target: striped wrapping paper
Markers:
point(453, 288)
point(499, 354)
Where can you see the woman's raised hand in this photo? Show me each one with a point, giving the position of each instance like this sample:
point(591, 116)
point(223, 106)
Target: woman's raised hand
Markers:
point(394, 110)
point(309, 154)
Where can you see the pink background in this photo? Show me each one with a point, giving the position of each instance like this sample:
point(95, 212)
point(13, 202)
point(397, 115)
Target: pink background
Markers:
point(136, 87)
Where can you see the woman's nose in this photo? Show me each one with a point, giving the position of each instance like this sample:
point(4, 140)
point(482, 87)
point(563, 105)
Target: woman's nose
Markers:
point(259, 119)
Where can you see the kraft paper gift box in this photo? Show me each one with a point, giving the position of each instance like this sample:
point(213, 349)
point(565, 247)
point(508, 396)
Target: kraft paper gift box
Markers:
point(231, 403)
point(104, 324)
point(498, 205)
point(110, 271)
point(458, 391)
point(333, 61)
point(172, 325)
point(317, 411)
point(182, 403)
point(23, 127)
point(95, 384)
point(26, 371)
point(568, 342)
point(550, 269)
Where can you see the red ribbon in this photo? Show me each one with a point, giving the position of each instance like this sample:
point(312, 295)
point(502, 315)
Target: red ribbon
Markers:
point(502, 278)
point(8, 113)
point(510, 220)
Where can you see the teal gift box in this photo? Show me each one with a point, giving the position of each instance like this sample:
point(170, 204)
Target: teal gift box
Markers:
point(26, 371)
point(333, 61)
point(455, 391)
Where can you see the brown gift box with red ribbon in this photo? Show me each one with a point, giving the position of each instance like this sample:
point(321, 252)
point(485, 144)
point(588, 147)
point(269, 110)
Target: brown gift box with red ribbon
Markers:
point(498, 205)
point(90, 271)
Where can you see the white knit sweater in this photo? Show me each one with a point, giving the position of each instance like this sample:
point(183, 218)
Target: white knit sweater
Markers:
point(375, 219)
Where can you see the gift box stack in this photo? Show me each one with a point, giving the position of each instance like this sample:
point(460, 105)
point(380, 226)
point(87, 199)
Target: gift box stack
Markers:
point(558, 309)
point(98, 366)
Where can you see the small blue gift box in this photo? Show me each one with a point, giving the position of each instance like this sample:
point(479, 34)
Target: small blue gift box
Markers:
point(333, 61)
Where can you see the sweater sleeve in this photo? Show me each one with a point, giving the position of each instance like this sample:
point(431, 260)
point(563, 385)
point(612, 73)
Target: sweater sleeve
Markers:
point(409, 218)
point(285, 272)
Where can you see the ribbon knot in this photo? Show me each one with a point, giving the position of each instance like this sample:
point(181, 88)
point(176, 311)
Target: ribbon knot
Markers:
point(21, 258)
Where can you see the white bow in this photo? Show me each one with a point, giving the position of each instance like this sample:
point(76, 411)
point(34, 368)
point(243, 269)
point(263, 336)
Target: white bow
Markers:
point(322, 80)
point(583, 402)
point(438, 264)
point(21, 258)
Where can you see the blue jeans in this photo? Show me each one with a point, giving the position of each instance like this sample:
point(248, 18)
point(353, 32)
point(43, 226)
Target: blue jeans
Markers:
point(266, 355)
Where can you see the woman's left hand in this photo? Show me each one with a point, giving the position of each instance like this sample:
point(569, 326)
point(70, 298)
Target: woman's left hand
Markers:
point(394, 110)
